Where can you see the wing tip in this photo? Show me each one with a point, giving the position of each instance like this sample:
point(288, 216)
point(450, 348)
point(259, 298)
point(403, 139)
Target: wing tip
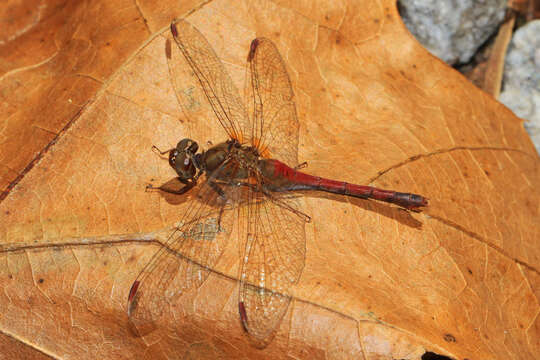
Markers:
point(243, 315)
point(253, 49)
point(168, 51)
point(174, 30)
point(132, 295)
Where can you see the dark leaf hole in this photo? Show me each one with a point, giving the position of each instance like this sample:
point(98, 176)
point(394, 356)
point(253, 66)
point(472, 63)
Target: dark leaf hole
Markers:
point(432, 356)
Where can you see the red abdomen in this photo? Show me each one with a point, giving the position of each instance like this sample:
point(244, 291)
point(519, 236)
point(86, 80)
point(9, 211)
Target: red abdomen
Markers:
point(281, 177)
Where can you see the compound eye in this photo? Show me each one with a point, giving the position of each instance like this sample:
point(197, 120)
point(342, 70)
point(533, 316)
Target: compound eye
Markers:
point(172, 157)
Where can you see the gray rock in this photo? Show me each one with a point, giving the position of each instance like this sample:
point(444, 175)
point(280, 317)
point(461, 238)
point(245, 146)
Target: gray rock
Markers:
point(452, 30)
point(521, 83)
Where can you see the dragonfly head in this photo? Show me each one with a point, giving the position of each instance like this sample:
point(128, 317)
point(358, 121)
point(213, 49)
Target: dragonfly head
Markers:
point(183, 159)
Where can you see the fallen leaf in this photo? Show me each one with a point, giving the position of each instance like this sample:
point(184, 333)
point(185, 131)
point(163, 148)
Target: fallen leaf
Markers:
point(86, 94)
point(488, 74)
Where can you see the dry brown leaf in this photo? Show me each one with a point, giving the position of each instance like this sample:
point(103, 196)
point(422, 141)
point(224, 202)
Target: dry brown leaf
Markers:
point(85, 94)
point(490, 79)
point(518, 5)
point(529, 8)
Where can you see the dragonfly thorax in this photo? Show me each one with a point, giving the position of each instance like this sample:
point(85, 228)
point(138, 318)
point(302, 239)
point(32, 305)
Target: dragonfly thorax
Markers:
point(247, 156)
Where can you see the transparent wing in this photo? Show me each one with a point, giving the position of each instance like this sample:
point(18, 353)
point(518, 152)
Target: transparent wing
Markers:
point(272, 260)
point(214, 80)
point(270, 103)
point(189, 254)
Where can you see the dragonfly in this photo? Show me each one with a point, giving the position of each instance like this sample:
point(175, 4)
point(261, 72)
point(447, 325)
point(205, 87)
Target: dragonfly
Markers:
point(245, 182)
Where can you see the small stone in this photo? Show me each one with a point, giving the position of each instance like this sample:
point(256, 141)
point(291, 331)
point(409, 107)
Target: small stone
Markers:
point(521, 83)
point(452, 30)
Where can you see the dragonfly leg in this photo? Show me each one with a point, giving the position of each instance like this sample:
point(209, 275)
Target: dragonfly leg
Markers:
point(159, 152)
point(165, 187)
point(221, 210)
point(217, 189)
point(301, 166)
point(284, 205)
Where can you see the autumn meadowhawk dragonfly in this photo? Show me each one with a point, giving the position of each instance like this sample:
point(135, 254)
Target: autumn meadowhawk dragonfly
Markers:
point(247, 182)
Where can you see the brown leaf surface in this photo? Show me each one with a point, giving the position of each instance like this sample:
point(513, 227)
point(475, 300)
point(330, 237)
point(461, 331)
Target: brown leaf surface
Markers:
point(86, 94)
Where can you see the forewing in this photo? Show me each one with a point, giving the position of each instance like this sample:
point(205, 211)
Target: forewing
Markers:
point(272, 261)
point(213, 78)
point(270, 103)
point(189, 254)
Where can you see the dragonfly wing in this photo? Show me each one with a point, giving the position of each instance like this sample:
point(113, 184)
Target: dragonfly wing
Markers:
point(272, 261)
point(270, 103)
point(213, 78)
point(189, 254)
